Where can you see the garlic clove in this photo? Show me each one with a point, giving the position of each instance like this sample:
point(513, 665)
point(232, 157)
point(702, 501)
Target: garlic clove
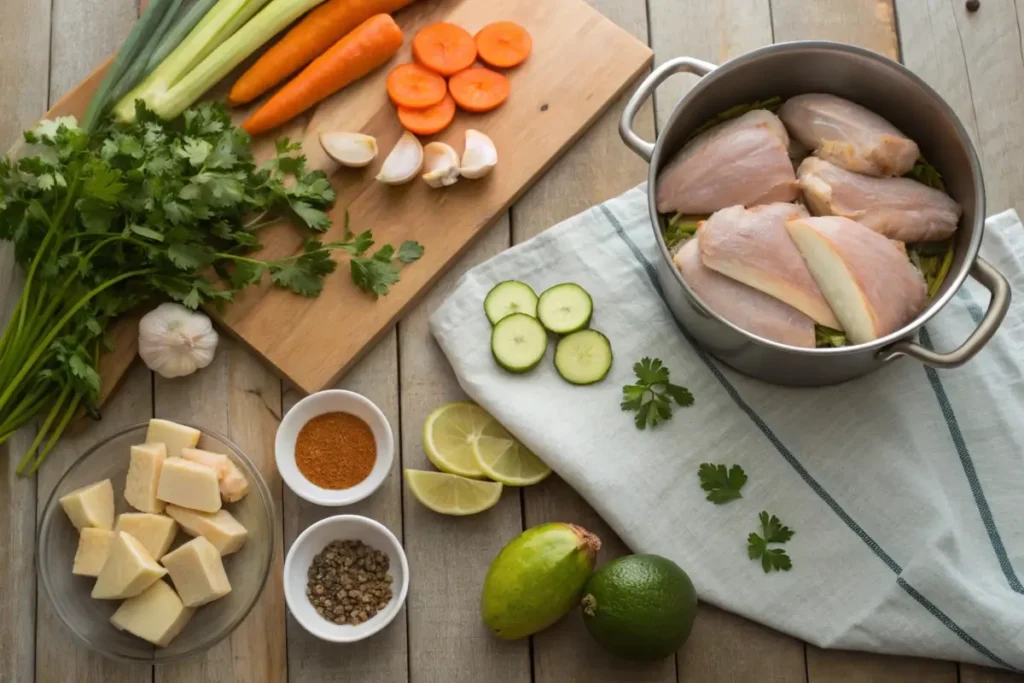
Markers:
point(175, 341)
point(480, 155)
point(441, 164)
point(404, 162)
point(354, 150)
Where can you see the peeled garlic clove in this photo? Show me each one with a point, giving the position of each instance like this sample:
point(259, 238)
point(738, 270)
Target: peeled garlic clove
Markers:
point(441, 164)
point(404, 162)
point(354, 150)
point(480, 155)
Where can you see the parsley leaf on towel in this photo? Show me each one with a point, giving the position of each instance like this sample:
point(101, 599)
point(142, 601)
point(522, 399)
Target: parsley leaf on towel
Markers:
point(772, 531)
point(652, 396)
point(722, 484)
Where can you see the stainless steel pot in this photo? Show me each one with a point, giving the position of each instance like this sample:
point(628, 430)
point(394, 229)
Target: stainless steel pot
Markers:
point(880, 84)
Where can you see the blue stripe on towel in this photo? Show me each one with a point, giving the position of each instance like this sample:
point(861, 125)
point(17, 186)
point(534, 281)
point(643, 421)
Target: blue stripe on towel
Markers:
point(969, 470)
point(800, 469)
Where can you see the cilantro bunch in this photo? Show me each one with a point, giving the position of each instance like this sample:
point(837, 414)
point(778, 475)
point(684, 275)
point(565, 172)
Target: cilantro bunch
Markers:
point(102, 222)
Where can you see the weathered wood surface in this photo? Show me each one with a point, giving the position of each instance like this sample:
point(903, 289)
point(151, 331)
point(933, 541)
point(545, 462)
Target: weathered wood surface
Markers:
point(974, 60)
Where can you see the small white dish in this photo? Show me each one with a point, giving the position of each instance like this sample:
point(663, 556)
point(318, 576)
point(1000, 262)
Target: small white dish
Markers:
point(332, 401)
point(312, 541)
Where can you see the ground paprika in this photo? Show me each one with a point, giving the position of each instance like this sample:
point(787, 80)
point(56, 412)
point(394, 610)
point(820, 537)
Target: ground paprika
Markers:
point(335, 450)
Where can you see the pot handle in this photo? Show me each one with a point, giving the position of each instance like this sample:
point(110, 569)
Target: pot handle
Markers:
point(994, 282)
point(636, 143)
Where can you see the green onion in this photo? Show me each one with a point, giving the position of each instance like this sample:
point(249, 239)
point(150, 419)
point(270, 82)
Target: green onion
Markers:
point(679, 229)
point(138, 70)
point(136, 41)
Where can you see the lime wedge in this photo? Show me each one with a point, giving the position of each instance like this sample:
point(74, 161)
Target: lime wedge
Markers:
point(504, 459)
point(450, 494)
point(449, 434)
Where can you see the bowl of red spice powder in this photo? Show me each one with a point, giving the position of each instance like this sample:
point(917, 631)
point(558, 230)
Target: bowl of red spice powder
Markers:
point(334, 448)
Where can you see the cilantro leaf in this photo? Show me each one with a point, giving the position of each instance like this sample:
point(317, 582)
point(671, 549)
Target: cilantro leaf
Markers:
point(722, 484)
point(190, 256)
point(772, 531)
point(313, 218)
point(409, 251)
point(652, 396)
point(376, 274)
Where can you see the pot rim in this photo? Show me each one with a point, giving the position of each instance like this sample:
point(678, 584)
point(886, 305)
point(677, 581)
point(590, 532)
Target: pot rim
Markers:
point(954, 280)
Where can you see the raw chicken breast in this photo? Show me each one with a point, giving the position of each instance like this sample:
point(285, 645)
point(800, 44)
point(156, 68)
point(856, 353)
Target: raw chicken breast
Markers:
point(899, 208)
point(849, 135)
point(743, 161)
point(752, 246)
point(872, 287)
point(743, 306)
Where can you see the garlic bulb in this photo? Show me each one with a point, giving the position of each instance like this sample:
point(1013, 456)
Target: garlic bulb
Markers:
point(354, 150)
point(480, 155)
point(404, 161)
point(175, 341)
point(441, 164)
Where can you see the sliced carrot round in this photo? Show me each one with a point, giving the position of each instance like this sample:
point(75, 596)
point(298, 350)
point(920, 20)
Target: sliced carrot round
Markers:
point(410, 85)
point(444, 48)
point(429, 121)
point(503, 44)
point(479, 89)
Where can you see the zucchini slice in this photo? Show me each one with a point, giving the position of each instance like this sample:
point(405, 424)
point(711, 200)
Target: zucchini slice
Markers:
point(519, 342)
point(565, 308)
point(583, 357)
point(508, 297)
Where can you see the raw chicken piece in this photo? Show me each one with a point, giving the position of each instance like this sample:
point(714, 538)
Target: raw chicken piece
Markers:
point(899, 208)
point(743, 161)
point(752, 246)
point(870, 284)
point(849, 135)
point(744, 306)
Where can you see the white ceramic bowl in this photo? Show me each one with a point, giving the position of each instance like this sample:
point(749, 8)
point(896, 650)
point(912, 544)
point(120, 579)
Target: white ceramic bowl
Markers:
point(312, 541)
point(333, 401)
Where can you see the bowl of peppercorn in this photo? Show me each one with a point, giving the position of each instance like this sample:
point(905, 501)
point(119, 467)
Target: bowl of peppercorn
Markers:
point(334, 448)
point(345, 578)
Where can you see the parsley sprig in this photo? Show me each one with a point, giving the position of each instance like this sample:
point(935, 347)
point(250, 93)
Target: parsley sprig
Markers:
point(652, 396)
point(104, 221)
point(772, 531)
point(722, 484)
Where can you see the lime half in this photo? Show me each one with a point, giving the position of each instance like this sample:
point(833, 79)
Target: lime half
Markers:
point(450, 494)
point(449, 434)
point(502, 458)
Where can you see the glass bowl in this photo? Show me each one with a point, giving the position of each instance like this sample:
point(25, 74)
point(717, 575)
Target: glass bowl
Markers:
point(89, 619)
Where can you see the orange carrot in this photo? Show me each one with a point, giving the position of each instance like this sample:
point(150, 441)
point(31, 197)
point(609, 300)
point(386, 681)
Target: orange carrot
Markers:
point(444, 48)
point(479, 89)
point(412, 86)
point(307, 40)
point(503, 44)
point(429, 121)
point(369, 46)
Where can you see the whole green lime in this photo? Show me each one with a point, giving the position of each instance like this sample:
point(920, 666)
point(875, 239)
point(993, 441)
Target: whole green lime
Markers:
point(640, 607)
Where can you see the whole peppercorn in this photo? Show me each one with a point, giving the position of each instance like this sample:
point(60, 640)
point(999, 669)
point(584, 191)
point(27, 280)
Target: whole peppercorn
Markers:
point(349, 582)
point(973, 5)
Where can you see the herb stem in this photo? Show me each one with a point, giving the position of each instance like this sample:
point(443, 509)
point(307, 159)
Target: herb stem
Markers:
point(44, 428)
point(42, 346)
point(69, 412)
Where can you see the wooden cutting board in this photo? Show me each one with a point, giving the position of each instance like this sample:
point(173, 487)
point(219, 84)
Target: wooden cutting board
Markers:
point(580, 63)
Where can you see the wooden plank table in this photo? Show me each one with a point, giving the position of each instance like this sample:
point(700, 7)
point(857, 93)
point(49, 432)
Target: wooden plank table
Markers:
point(974, 60)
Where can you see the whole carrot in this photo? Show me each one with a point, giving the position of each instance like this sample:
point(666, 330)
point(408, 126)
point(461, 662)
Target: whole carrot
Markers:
point(370, 45)
point(308, 39)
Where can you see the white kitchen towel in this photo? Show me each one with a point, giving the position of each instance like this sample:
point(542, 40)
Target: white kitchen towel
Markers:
point(905, 488)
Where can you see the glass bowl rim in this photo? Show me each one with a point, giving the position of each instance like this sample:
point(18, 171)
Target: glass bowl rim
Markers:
point(49, 509)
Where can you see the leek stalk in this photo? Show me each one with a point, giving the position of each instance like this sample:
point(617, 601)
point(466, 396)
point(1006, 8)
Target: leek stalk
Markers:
point(181, 60)
point(138, 70)
point(272, 19)
point(178, 33)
